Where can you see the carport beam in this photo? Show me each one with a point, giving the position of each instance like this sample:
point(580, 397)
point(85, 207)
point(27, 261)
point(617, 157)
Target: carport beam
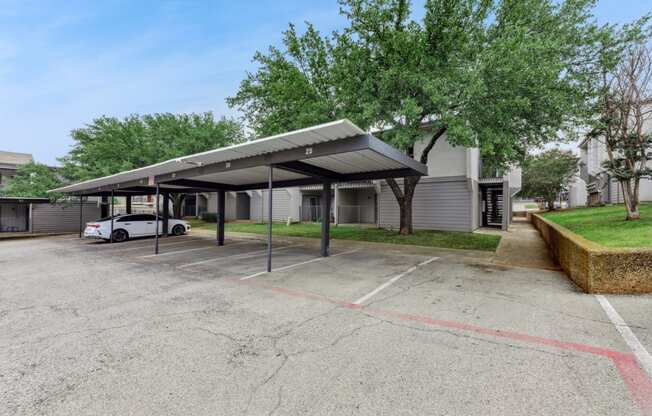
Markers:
point(269, 219)
point(325, 218)
point(220, 217)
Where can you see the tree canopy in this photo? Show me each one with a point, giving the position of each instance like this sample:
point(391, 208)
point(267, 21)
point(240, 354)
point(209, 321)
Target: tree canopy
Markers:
point(622, 107)
point(503, 75)
point(33, 180)
point(109, 145)
point(547, 174)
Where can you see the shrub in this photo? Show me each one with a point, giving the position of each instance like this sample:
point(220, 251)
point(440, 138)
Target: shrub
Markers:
point(209, 217)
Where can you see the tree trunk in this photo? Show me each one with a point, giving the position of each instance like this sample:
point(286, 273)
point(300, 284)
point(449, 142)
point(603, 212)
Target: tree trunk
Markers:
point(404, 196)
point(631, 199)
point(551, 204)
point(177, 201)
point(405, 203)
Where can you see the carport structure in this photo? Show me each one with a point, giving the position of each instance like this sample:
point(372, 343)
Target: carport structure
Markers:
point(328, 153)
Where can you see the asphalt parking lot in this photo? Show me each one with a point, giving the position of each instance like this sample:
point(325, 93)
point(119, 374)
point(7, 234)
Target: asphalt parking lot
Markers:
point(90, 328)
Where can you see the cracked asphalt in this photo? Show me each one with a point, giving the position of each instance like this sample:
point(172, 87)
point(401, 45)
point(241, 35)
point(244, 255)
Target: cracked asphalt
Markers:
point(89, 328)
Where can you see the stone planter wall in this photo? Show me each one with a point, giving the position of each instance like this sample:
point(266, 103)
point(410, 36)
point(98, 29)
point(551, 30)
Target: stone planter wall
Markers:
point(593, 267)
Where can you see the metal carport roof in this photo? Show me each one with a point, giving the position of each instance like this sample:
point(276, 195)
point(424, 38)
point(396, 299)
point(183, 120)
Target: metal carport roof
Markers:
point(336, 151)
point(332, 152)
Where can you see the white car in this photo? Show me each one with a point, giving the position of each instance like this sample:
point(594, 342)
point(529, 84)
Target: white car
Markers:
point(132, 225)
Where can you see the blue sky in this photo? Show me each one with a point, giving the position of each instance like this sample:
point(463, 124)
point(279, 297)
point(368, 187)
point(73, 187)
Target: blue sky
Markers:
point(64, 63)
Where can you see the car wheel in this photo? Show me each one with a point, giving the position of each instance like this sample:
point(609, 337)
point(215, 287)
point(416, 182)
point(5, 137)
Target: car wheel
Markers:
point(120, 236)
point(178, 230)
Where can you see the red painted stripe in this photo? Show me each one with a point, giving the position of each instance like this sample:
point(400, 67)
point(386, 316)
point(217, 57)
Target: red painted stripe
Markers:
point(637, 381)
point(605, 352)
point(503, 334)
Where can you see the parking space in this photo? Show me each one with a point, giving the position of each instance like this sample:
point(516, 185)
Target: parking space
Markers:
point(93, 328)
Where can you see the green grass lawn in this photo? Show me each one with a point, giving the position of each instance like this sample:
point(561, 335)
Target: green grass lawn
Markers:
point(607, 225)
point(443, 239)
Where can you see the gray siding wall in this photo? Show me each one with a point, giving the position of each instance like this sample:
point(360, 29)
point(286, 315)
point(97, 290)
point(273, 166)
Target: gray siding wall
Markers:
point(61, 217)
point(438, 204)
point(615, 192)
point(356, 205)
point(476, 205)
point(280, 205)
point(229, 206)
point(255, 208)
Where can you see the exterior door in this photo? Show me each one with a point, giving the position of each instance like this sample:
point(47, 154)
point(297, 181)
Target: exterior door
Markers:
point(315, 207)
point(190, 205)
point(14, 217)
point(242, 206)
point(492, 209)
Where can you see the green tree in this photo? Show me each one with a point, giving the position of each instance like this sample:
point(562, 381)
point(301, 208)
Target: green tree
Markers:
point(33, 180)
point(503, 76)
point(548, 174)
point(109, 145)
point(622, 107)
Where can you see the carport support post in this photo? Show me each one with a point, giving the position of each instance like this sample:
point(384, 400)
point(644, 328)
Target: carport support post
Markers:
point(325, 219)
point(128, 203)
point(220, 216)
point(158, 194)
point(104, 209)
point(81, 214)
point(269, 219)
point(112, 198)
point(166, 213)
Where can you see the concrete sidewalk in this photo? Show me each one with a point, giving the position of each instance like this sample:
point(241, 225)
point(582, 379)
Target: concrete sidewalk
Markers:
point(27, 234)
point(522, 246)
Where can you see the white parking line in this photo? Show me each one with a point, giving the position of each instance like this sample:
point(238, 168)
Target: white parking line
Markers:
point(643, 357)
point(392, 281)
point(151, 245)
point(280, 269)
point(190, 249)
point(138, 243)
point(237, 256)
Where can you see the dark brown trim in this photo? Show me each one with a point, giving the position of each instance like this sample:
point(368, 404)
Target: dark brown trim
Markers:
point(309, 170)
point(208, 186)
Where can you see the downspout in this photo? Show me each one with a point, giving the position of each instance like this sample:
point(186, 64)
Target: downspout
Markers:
point(336, 203)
